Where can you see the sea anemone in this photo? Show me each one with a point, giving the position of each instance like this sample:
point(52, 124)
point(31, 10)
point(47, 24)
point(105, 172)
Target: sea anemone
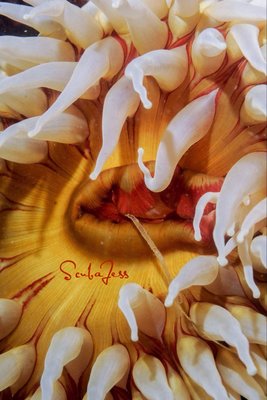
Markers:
point(133, 200)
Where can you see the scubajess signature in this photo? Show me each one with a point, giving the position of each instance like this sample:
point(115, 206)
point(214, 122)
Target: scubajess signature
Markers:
point(104, 271)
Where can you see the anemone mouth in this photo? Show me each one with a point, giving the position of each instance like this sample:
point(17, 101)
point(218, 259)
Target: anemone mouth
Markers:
point(99, 212)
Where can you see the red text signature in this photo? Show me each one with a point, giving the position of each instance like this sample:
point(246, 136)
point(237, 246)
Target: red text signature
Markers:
point(104, 271)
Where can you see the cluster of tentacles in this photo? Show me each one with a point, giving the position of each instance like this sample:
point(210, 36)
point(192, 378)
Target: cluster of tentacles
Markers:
point(133, 200)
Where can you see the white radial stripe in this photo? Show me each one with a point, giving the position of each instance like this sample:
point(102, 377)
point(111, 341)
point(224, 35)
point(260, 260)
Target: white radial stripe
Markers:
point(186, 128)
point(101, 60)
point(81, 28)
point(147, 31)
point(168, 67)
point(120, 102)
point(106, 374)
point(201, 270)
point(246, 37)
point(247, 176)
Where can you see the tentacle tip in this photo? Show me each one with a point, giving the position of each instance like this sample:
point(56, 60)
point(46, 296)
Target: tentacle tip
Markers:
point(140, 162)
point(168, 302)
point(252, 370)
point(197, 237)
point(140, 152)
point(134, 337)
point(93, 176)
point(256, 293)
point(222, 261)
point(147, 104)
